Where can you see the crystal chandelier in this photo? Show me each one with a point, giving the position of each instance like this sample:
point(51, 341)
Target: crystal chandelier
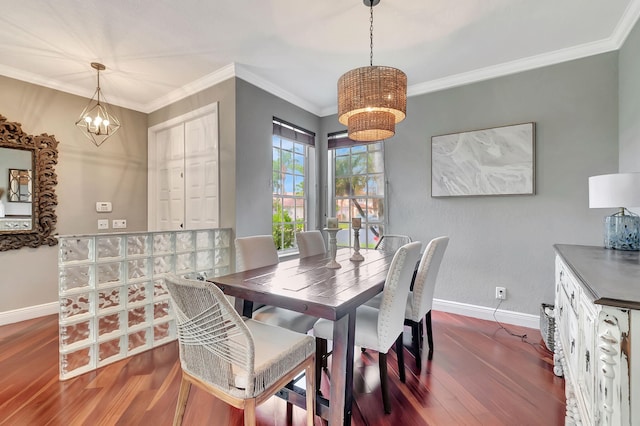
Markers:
point(95, 121)
point(371, 100)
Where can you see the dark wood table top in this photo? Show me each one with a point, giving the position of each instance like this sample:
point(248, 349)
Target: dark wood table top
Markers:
point(308, 286)
point(612, 277)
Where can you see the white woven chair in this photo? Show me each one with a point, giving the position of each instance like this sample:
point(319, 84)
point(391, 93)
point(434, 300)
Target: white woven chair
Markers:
point(240, 361)
point(257, 252)
point(378, 329)
point(420, 300)
point(392, 242)
point(310, 243)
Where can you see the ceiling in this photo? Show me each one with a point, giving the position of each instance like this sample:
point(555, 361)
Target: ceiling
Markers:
point(157, 52)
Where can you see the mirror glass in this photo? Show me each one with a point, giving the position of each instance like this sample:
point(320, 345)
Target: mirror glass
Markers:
point(27, 187)
point(20, 188)
point(16, 189)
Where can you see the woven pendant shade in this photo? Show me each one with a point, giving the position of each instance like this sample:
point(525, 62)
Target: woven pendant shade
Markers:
point(371, 100)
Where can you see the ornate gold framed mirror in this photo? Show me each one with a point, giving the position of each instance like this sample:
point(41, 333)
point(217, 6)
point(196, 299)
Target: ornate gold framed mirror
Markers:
point(27, 187)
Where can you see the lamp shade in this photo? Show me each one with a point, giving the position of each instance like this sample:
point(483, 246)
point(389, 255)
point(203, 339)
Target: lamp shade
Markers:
point(371, 100)
point(614, 190)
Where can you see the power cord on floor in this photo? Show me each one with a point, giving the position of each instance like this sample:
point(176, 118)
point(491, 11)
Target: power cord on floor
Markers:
point(523, 337)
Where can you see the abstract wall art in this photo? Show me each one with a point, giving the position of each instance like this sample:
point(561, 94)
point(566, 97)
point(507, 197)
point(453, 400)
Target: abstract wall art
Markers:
point(495, 161)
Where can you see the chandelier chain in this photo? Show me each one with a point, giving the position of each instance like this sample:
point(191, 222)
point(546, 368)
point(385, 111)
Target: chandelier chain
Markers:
point(98, 88)
point(371, 34)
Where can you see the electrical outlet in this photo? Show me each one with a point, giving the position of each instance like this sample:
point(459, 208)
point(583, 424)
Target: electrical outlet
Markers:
point(501, 293)
point(119, 223)
point(103, 223)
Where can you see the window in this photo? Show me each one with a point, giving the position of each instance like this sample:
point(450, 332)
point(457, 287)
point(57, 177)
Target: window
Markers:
point(291, 146)
point(358, 188)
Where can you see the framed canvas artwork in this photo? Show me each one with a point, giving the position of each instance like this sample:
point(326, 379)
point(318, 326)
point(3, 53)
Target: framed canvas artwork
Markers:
point(496, 161)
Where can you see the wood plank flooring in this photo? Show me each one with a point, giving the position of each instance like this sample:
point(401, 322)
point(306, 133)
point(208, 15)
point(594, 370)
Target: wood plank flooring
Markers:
point(479, 375)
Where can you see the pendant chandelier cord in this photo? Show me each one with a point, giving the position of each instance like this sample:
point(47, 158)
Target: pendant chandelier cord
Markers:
point(371, 34)
point(98, 88)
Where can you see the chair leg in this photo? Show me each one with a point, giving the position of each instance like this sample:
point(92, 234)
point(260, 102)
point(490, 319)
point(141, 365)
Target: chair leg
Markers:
point(311, 396)
point(250, 412)
point(429, 334)
point(416, 328)
point(400, 355)
point(321, 358)
point(384, 382)
point(289, 413)
point(183, 396)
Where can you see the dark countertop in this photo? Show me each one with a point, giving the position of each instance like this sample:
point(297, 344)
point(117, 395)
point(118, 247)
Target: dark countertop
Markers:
point(612, 277)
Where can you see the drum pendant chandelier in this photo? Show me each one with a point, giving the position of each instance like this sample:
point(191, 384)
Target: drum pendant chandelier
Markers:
point(371, 100)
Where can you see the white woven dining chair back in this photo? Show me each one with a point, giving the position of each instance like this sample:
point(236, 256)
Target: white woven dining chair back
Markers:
point(394, 294)
point(214, 342)
point(310, 243)
point(425, 282)
point(255, 252)
point(392, 242)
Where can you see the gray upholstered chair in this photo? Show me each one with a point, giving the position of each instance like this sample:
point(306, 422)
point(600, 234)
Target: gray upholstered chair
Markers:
point(238, 360)
point(310, 243)
point(257, 252)
point(420, 299)
point(378, 329)
point(392, 242)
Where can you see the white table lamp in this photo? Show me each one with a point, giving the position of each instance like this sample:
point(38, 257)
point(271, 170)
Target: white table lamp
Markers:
point(618, 190)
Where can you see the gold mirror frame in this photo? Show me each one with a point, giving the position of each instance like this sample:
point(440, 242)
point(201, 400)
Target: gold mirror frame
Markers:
point(45, 157)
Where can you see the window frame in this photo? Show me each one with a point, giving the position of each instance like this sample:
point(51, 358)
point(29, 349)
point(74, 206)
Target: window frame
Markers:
point(340, 141)
point(302, 142)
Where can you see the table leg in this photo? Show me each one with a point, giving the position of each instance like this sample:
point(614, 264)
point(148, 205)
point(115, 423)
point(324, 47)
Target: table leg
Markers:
point(342, 371)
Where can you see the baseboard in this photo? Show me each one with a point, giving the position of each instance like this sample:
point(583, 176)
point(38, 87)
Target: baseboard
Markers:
point(30, 312)
point(482, 312)
point(474, 311)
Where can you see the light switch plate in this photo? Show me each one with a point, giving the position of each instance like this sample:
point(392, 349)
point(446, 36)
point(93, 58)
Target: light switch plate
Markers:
point(103, 223)
point(119, 223)
point(104, 207)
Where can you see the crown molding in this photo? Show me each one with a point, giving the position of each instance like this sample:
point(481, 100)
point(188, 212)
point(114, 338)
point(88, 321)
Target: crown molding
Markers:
point(513, 67)
point(31, 78)
point(209, 80)
point(243, 73)
point(626, 23)
point(614, 42)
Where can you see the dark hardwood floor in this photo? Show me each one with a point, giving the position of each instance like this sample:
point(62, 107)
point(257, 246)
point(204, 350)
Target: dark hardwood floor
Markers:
point(479, 375)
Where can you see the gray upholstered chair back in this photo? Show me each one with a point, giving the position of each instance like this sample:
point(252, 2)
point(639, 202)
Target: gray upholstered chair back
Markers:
point(392, 242)
point(394, 294)
point(425, 282)
point(310, 243)
point(255, 252)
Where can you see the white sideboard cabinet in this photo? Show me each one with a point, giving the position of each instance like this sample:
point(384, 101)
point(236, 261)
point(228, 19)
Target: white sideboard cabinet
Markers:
point(597, 337)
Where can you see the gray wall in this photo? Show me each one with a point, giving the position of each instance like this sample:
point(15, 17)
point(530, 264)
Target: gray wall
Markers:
point(114, 172)
point(507, 241)
point(496, 241)
point(629, 113)
point(255, 111)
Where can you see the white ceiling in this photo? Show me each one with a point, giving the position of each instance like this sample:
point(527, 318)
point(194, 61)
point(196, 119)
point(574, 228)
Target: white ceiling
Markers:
point(158, 51)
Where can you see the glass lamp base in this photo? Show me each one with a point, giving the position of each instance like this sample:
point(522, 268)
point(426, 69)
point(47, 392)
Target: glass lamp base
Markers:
point(622, 232)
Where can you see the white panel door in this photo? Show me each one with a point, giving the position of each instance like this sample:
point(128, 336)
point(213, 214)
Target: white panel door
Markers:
point(201, 170)
point(170, 179)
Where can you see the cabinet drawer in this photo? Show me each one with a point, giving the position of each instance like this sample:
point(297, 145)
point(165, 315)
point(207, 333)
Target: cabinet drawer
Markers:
point(570, 288)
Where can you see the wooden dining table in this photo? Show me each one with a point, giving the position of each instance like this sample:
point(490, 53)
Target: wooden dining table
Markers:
point(308, 286)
